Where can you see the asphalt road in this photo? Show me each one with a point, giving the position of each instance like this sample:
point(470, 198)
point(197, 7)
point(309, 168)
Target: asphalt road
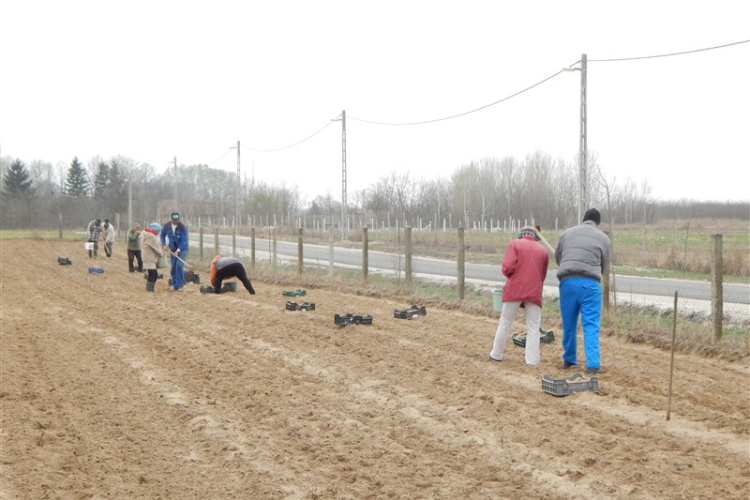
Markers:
point(318, 254)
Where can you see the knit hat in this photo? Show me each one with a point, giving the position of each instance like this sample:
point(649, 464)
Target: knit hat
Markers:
point(526, 231)
point(155, 226)
point(593, 215)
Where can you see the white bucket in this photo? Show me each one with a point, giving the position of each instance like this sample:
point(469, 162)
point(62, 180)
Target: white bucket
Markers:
point(88, 246)
point(497, 300)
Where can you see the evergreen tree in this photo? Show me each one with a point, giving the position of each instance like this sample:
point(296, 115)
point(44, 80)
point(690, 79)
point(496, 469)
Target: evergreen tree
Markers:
point(77, 183)
point(16, 179)
point(101, 182)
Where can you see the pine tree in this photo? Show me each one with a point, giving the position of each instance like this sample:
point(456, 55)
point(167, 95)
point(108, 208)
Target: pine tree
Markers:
point(77, 183)
point(17, 181)
point(101, 182)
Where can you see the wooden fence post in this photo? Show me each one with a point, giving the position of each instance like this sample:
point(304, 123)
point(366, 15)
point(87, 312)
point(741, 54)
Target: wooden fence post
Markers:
point(216, 240)
point(252, 247)
point(407, 256)
point(200, 243)
point(717, 292)
point(461, 264)
point(300, 255)
point(273, 249)
point(330, 251)
point(365, 256)
point(605, 285)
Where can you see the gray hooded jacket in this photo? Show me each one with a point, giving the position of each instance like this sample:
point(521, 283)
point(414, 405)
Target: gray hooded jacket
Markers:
point(582, 251)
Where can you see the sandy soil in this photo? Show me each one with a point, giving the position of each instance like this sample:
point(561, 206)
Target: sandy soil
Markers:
point(112, 393)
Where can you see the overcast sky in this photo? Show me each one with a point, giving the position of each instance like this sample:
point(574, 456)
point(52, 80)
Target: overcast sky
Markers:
point(154, 80)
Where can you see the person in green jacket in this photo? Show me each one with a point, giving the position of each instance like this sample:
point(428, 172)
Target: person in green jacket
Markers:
point(134, 248)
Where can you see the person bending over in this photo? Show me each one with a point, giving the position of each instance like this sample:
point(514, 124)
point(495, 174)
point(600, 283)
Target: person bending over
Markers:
point(228, 267)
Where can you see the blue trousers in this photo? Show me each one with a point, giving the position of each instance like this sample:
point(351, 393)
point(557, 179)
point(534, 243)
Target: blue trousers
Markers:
point(581, 296)
point(177, 273)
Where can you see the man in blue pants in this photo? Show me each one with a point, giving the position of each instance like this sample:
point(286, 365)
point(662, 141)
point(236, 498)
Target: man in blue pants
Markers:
point(177, 235)
point(582, 255)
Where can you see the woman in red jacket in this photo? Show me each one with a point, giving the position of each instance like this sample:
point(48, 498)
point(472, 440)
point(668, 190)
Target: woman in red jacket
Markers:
point(525, 265)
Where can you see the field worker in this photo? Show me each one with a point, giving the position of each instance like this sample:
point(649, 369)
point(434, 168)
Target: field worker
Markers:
point(109, 237)
point(93, 234)
point(582, 255)
point(228, 267)
point(151, 250)
point(174, 239)
point(134, 248)
point(525, 265)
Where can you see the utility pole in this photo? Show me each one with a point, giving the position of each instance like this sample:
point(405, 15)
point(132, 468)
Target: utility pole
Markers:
point(174, 184)
point(343, 176)
point(237, 194)
point(583, 194)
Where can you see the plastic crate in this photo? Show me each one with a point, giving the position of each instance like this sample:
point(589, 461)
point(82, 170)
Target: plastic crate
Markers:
point(351, 319)
point(410, 313)
point(296, 293)
point(562, 386)
point(305, 306)
point(545, 337)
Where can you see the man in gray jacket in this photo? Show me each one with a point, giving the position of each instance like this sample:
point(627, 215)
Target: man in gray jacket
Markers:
point(582, 255)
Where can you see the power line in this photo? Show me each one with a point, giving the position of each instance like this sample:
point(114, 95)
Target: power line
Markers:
point(465, 112)
point(291, 145)
point(671, 54)
point(222, 156)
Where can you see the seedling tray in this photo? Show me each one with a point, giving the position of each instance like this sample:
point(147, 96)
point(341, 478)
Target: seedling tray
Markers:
point(562, 386)
point(351, 319)
point(410, 313)
point(305, 306)
point(545, 337)
point(296, 293)
point(64, 261)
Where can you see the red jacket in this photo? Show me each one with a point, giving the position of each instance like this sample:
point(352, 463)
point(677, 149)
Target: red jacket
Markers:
point(525, 265)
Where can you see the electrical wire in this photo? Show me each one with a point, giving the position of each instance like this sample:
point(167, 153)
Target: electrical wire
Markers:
point(465, 112)
point(670, 54)
point(291, 145)
point(222, 156)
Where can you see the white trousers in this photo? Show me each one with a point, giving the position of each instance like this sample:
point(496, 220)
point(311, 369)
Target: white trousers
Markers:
point(533, 320)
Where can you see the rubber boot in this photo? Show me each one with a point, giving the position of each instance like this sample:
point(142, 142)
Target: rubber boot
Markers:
point(150, 286)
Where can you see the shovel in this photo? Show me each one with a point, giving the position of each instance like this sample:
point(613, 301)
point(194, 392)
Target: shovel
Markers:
point(190, 273)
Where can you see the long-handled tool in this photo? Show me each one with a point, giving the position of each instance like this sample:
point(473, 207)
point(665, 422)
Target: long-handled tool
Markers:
point(190, 274)
point(178, 258)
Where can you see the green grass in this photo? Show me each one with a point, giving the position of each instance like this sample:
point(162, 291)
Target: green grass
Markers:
point(8, 234)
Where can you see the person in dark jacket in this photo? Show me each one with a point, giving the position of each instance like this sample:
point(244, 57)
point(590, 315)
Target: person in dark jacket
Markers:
point(525, 265)
point(228, 267)
point(174, 239)
point(582, 255)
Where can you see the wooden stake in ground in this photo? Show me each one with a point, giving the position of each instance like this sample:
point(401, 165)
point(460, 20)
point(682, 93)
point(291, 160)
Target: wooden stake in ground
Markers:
point(671, 364)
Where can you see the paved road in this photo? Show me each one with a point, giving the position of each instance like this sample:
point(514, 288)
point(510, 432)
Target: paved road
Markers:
point(318, 254)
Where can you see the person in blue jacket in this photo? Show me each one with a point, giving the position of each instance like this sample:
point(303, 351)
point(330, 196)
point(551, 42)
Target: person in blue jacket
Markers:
point(174, 238)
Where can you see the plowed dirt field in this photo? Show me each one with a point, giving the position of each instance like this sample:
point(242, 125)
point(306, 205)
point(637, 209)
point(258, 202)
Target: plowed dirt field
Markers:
point(109, 392)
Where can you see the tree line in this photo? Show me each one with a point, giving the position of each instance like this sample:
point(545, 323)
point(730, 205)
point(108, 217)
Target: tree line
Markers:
point(482, 193)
